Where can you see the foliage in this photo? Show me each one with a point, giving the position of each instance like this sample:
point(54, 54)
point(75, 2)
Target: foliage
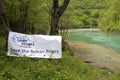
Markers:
point(28, 16)
point(36, 15)
point(85, 13)
point(110, 18)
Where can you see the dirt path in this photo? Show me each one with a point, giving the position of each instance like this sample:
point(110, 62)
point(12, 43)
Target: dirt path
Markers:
point(105, 58)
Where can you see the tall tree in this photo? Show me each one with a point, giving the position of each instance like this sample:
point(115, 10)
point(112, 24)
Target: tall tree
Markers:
point(4, 20)
point(56, 14)
point(3, 16)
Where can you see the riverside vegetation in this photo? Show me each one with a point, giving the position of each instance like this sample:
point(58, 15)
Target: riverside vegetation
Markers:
point(70, 68)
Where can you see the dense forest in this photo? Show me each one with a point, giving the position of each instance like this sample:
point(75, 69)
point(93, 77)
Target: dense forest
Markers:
point(28, 16)
point(110, 18)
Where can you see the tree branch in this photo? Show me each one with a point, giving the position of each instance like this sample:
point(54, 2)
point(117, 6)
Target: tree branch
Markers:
point(63, 6)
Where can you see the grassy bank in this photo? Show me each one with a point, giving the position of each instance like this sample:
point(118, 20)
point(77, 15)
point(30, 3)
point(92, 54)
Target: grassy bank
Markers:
point(96, 37)
point(70, 68)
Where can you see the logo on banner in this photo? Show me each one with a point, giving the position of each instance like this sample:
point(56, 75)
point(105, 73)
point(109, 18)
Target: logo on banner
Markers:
point(23, 41)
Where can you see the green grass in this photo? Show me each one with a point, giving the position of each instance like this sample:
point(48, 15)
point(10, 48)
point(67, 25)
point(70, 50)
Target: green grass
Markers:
point(96, 37)
point(70, 68)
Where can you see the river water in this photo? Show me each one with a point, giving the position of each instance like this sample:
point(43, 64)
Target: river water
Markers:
point(95, 37)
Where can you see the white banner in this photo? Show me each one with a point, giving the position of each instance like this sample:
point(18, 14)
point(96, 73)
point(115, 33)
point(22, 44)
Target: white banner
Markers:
point(36, 46)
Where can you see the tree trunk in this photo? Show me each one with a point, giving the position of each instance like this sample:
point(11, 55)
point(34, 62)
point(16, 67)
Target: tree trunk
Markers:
point(57, 12)
point(4, 20)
